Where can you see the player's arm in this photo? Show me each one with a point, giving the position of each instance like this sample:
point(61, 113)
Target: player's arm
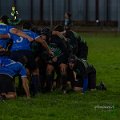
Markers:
point(23, 73)
point(20, 33)
point(60, 34)
point(4, 36)
point(25, 86)
point(1, 48)
point(44, 44)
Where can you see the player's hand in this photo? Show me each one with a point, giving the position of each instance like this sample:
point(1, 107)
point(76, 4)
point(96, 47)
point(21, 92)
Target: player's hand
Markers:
point(2, 49)
point(50, 53)
point(30, 39)
point(54, 59)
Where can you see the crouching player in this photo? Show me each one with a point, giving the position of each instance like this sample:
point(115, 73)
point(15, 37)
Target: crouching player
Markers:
point(9, 69)
point(82, 74)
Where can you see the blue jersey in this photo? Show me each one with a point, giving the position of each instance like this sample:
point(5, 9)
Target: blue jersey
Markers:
point(4, 29)
point(20, 43)
point(11, 68)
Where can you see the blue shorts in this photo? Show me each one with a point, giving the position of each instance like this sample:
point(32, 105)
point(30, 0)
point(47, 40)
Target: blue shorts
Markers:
point(6, 84)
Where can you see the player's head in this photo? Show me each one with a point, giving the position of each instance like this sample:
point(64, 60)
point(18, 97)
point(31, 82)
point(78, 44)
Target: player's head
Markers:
point(46, 31)
point(67, 15)
point(72, 58)
point(4, 19)
point(59, 28)
point(71, 61)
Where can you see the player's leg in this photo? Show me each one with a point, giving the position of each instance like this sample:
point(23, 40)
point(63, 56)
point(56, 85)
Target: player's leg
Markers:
point(49, 77)
point(7, 87)
point(63, 79)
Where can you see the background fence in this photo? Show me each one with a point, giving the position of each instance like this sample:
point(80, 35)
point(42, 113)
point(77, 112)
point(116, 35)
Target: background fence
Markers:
point(107, 11)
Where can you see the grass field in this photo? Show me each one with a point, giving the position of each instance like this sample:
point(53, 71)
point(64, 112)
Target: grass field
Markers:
point(104, 53)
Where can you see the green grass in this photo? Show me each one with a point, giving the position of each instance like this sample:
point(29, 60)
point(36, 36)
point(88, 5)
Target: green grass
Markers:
point(104, 53)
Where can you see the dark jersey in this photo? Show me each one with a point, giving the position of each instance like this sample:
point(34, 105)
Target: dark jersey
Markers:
point(81, 67)
point(58, 47)
point(72, 40)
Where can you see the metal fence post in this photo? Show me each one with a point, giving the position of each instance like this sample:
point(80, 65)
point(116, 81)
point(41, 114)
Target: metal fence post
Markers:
point(97, 11)
point(51, 13)
point(41, 9)
point(31, 10)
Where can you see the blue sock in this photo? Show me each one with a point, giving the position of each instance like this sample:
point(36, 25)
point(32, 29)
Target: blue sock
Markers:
point(85, 84)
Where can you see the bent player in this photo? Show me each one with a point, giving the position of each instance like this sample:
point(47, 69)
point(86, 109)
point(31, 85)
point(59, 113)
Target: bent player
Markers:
point(9, 69)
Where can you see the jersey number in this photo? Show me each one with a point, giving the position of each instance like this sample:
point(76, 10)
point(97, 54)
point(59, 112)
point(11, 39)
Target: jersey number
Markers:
point(19, 40)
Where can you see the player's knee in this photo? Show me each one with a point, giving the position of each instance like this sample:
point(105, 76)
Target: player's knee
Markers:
point(50, 69)
point(63, 69)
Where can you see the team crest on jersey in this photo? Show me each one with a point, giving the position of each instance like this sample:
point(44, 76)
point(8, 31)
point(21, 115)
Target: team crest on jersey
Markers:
point(57, 52)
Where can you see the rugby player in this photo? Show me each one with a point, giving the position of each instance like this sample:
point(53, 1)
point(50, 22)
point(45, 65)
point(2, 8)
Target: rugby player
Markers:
point(82, 73)
point(9, 69)
point(21, 48)
point(58, 62)
point(5, 31)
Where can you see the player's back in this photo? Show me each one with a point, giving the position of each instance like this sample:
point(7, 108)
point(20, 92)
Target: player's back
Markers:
point(4, 29)
point(20, 43)
point(10, 67)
